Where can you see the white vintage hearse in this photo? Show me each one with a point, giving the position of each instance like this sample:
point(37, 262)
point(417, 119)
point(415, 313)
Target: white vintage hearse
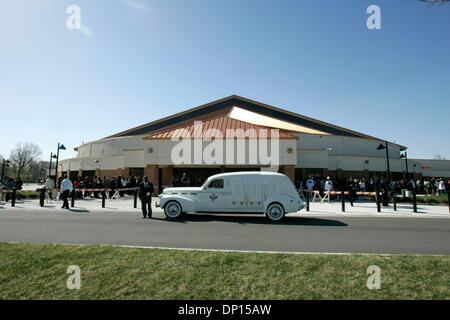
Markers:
point(245, 192)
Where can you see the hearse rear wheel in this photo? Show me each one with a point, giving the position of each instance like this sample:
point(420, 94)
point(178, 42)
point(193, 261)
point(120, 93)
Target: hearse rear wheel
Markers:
point(172, 210)
point(275, 212)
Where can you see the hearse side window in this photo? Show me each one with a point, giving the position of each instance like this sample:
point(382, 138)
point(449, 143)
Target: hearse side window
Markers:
point(216, 184)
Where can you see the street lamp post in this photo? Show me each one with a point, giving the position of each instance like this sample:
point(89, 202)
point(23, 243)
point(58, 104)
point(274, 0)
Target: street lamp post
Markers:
point(60, 147)
point(405, 155)
point(5, 163)
point(50, 167)
point(381, 147)
point(52, 156)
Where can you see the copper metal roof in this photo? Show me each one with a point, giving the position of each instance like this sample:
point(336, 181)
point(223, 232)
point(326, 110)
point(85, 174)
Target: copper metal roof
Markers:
point(220, 127)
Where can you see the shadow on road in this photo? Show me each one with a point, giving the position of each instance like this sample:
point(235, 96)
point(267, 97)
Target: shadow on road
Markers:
point(290, 221)
point(78, 210)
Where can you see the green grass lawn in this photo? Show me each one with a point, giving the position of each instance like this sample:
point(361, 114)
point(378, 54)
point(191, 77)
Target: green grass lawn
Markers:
point(29, 194)
point(25, 195)
point(441, 199)
point(431, 199)
point(31, 271)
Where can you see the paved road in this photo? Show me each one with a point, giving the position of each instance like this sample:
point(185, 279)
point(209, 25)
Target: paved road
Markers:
point(235, 232)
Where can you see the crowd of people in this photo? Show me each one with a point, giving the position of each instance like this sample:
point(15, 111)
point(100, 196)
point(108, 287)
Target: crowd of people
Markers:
point(111, 183)
point(183, 181)
point(96, 182)
point(433, 186)
point(120, 184)
point(10, 183)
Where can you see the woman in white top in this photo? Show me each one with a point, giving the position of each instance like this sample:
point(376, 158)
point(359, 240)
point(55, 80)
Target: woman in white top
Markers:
point(441, 187)
point(328, 184)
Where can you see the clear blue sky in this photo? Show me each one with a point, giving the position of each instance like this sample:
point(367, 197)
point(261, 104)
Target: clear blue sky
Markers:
point(137, 61)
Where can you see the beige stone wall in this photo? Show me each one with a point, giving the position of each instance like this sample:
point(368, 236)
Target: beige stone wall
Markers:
point(347, 154)
point(134, 152)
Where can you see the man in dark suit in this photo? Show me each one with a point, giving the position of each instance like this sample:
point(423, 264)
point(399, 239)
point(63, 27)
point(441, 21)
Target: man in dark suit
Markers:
point(385, 192)
point(145, 194)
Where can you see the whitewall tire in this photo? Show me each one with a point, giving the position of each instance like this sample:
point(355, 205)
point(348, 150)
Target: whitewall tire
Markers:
point(275, 212)
point(172, 210)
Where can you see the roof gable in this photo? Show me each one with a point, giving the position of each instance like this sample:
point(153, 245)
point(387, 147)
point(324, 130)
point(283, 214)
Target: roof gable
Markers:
point(224, 105)
point(224, 126)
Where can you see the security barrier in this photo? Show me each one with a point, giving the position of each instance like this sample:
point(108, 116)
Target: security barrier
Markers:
point(326, 196)
point(44, 194)
point(316, 195)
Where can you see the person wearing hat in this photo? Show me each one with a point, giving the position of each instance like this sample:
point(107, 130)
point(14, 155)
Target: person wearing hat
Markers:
point(328, 184)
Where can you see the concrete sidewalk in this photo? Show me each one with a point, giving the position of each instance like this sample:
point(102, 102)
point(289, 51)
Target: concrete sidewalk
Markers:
point(367, 208)
point(125, 205)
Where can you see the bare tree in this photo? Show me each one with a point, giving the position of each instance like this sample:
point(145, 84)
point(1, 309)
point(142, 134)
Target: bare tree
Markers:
point(431, 2)
point(23, 155)
point(439, 157)
point(3, 172)
point(37, 170)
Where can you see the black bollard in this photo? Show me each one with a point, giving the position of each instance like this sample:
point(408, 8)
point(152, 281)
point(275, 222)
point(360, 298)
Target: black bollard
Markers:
point(395, 202)
point(377, 195)
point(72, 204)
point(414, 201)
point(307, 200)
point(448, 200)
point(13, 198)
point(103, 198)
point(135, 199)
point(42, 197)
point(343, 200)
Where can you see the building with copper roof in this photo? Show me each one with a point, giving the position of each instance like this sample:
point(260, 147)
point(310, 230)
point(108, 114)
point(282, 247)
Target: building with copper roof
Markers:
point(235, 134)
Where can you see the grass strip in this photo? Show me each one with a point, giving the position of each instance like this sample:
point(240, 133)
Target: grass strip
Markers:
point(38, 271)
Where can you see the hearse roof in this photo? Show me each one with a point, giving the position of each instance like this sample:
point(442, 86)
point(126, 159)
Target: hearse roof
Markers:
point(246, 173)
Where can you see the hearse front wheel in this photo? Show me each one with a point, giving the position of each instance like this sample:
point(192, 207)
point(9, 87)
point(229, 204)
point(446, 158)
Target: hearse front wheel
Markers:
point(172, 210)
point(275, 212)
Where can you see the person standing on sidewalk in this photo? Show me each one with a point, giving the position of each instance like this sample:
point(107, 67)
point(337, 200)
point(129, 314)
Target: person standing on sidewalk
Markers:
point(9, 186)
point(441, 187)
point(50, 185)
point(66, 188)
point(310, 186)
point(328, 187)
point(385, 193)
point(18, 186)
point(145, 194)
point(352, 186)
